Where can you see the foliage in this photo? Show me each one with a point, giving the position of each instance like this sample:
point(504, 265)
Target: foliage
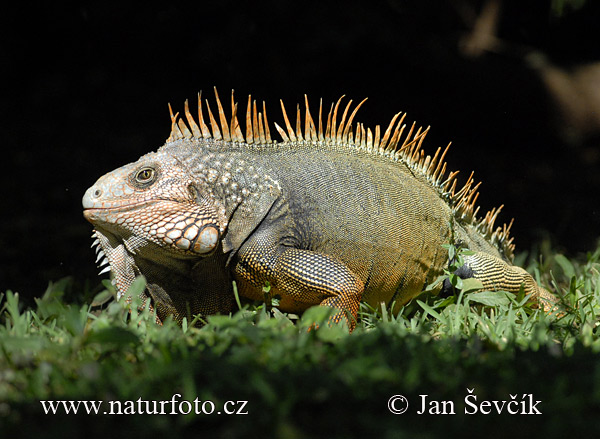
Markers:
point(305, 382)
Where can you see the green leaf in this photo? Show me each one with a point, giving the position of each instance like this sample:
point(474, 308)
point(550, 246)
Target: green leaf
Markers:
point(565, 265)
point(435, 284)
point(102, 298)
point(184, 325)
point(490, 298)
point(430, 310)
point(108, 285)
point(75, 319)
point(471, 284)
point(137, 287)
point(236, 295)
point(267, 287)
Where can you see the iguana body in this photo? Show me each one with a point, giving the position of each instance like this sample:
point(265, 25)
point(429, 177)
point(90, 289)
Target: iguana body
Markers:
point(333, 215)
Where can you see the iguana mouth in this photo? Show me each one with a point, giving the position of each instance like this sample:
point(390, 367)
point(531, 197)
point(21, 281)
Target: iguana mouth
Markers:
point(95, 213)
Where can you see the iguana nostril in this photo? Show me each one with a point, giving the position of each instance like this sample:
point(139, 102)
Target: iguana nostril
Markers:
point(97, 193)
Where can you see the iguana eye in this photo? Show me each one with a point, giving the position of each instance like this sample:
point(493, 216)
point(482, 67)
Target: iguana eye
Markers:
point(145, 175)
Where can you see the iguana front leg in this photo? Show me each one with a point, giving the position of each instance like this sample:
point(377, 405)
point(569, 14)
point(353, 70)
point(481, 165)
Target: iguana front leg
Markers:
point(310, 277)
point(302, 278)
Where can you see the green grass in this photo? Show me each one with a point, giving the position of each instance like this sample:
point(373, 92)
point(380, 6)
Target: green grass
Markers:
point(310, 383)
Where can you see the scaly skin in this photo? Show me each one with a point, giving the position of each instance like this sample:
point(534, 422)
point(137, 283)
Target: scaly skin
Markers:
point(328, 217)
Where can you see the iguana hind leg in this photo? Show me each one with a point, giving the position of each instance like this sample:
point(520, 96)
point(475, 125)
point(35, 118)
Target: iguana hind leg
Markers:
point(495, 275)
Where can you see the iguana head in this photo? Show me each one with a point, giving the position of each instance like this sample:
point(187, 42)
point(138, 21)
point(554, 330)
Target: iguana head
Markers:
point(154, 218)
point(156, 202)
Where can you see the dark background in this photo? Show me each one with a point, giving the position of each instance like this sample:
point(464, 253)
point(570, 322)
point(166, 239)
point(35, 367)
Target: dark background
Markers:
point(87, 86)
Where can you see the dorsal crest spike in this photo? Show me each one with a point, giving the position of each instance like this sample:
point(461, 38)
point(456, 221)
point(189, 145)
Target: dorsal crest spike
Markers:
point(233, 116)
point(321, 119)
point(174, 128)
point(389, 130)
point(191, 121)
point(267, 131)
point(432, 163)
point(236, 132)
point(298, 123)
point(351, 118)
point(426, 163)
point(216, 134)
point(493, 215)
point(333, 133)
point(369, 138)
point(261, 129)
point(419, 138)
point(249, 135)
point(339, 136)
point(407, 140)
point(450, 184)
point(460, 194)
point(377, 133)
point(328, 127)
point(438, 173)
point(282, 133)
point(203, 126)
point(393, 145)
point(185, 132)
point(173, 117)
point(255, 123)
point(287, 122)
point(358, 134)
point(309, 124)
point(222, 118)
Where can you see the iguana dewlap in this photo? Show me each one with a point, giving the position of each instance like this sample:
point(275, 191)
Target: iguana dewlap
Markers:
point(334, 214)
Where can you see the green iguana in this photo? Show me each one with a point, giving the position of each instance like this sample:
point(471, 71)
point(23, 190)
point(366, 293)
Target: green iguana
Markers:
point(333, 215)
